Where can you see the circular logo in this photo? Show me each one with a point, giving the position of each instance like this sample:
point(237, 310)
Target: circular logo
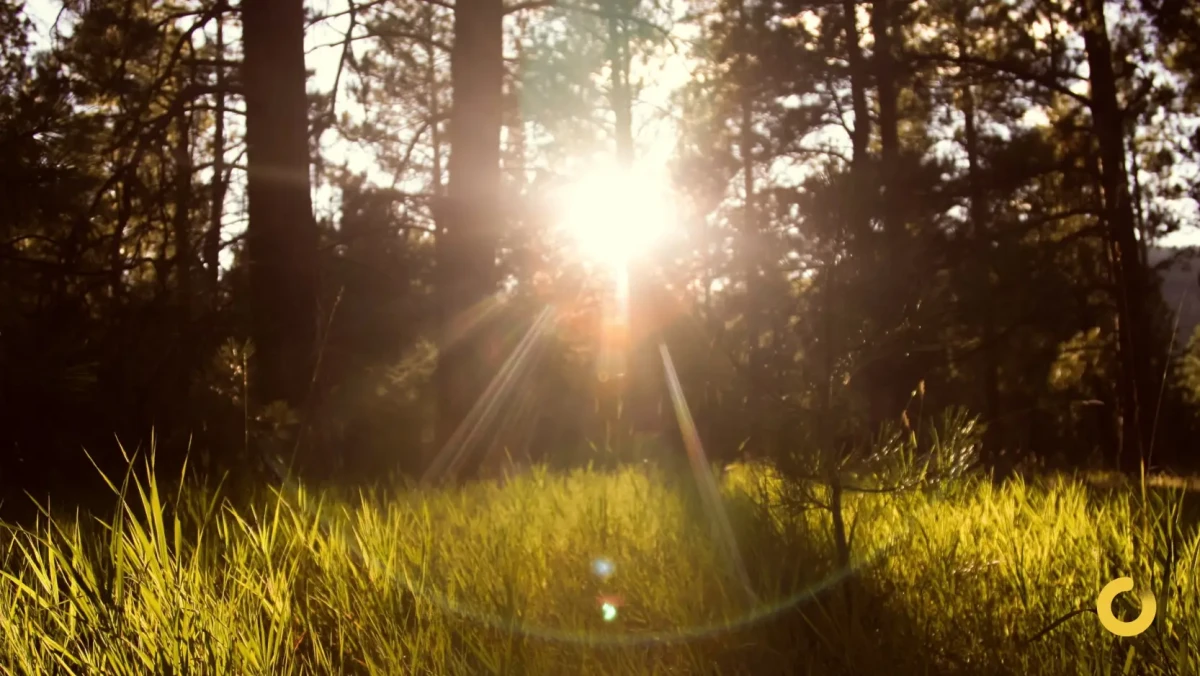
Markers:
point(1119, 627)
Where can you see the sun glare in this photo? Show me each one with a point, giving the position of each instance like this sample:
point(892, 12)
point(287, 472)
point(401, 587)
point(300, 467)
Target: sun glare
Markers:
point(615, 216)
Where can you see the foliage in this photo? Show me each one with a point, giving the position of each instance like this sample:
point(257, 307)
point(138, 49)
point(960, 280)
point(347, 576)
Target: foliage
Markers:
point(1189, 370)
point(857, 221)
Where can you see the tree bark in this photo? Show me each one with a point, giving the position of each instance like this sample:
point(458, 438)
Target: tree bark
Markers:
point(752, 249)
point(625, 397)
point(181, 219)
point(212, 237)
point(433, 103)
point(980, 234)
point(116, 276)
point(885, 374)
point(470, 214)
point(860, 134)
point(186, 350)
point(281, 237)
point(620, 95)
point(889, 138)
point(1138, 396)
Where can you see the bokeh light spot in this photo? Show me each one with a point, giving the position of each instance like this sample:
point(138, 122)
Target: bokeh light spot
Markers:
point(603, 568)
point(608, 611)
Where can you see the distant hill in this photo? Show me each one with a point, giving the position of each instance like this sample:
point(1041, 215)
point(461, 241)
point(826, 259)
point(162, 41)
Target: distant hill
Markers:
point(1181, 280)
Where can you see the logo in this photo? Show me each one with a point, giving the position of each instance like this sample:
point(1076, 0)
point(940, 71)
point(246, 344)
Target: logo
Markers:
point(1119, 627)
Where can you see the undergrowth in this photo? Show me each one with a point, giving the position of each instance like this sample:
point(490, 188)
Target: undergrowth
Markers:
point(501, 578)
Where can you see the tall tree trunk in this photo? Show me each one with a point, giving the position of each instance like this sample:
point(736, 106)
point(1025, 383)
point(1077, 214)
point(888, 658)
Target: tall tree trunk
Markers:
point(1136, 389)
point(433, 103)
point(116, 275)
point(281, 238)
point(181, 219)
point(470, 215)
point(622, 400)
point(181, 225)
point(620, 95)
point(1138, 200)
point(752, 248)
point(860, 134)
point(746, 150)
point(518, 150)
point(981, 240)
point(885, 372)
point(982, 263)
point(212, 237)
point(889, 137)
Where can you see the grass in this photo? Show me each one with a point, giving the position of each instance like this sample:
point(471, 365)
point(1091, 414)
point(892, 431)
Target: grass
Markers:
point(497, 578)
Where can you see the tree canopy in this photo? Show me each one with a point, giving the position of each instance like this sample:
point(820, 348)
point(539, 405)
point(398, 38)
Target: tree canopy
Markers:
point(333, 236)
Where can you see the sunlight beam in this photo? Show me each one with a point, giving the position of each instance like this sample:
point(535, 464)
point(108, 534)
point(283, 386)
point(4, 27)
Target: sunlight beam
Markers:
point(451, 456)
point(709, 493)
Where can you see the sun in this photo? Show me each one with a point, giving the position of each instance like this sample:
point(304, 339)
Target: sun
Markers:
point(614, 216)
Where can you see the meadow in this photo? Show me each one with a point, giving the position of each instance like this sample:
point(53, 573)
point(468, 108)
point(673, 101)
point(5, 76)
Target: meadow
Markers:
point(600, 572)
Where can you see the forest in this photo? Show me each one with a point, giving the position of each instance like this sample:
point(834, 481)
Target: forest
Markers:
point(598, 336)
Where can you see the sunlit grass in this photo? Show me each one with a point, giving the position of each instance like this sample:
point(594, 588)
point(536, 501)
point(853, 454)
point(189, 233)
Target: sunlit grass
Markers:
point(500, 578)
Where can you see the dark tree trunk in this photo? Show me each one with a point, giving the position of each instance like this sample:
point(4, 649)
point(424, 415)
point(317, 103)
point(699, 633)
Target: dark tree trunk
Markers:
point(186, 347)
point(885, 373)
point(620, 96)
point(981, 242)
point(116, 277)
point(889, 137)
point(281, 237)
point(433, 103)
point(981, 237)
point(181, 221)
point(212, 237)
point(621, 397)
point(1136, 348)
point(1138, 201)
point(753, 251)
point(469, 216)
point(860, 135)
point(750, 233)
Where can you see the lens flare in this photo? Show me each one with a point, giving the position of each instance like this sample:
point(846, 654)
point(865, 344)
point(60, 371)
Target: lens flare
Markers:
point(603, 568)
point(608, 611)
point(609, 605)
point(616, 215)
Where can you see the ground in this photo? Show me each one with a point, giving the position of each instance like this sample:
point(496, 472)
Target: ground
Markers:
point(604, 573)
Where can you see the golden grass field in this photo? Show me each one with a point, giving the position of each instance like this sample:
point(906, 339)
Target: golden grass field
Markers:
point(499, 578)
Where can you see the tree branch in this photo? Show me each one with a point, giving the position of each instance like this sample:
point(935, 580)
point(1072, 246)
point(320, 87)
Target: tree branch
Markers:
point(1050, 81)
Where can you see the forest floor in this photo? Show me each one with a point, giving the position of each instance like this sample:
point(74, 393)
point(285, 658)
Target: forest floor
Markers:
point(598, 572)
